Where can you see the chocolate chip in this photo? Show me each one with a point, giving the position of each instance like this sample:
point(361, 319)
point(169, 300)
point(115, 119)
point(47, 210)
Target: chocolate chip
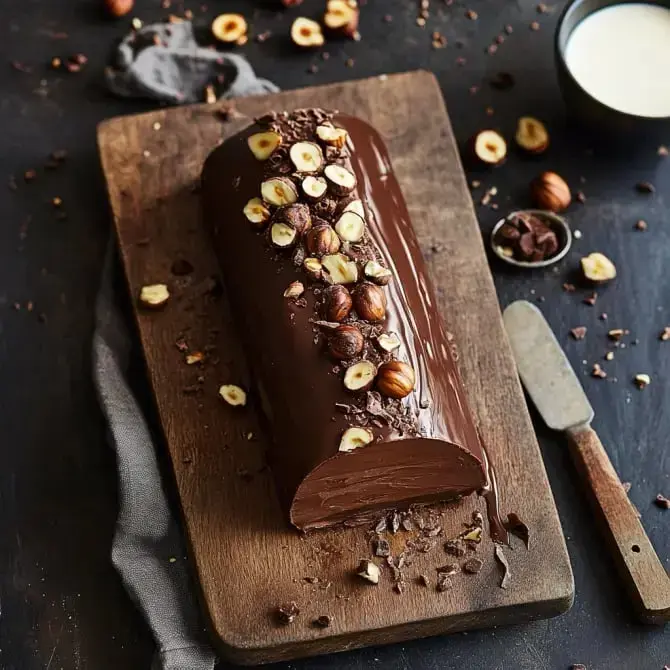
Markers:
point(444, 583)
point(286, 614)
point(472, 566)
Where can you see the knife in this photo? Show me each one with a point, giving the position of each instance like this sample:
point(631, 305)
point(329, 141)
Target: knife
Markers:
point(555, 390)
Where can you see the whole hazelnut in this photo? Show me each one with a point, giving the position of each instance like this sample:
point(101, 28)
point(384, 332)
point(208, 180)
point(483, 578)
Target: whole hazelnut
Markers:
point(345, 342)
point(370, 302)
point(549, 191)
point(336, 303)
point(297, 216)
point(322, 240)
point(395, 379)
point(118, 8)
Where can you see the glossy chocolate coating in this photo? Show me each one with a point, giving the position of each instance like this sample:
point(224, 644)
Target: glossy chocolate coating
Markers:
point(439, 460)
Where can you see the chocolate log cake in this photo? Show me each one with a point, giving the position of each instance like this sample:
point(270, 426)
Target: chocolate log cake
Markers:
point(352, 365)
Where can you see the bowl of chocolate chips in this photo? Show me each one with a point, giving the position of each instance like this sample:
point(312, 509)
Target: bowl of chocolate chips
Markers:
point(531, 238)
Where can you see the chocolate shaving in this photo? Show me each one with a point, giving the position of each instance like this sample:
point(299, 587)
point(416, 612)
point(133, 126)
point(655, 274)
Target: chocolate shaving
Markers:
point(502, 559)
point(380, 527)
point(374, 406)
point(394, 522)
point(518, 528)
point(381, 547)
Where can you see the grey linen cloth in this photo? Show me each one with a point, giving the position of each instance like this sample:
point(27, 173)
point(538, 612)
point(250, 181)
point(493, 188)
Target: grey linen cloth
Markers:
point(148, 549)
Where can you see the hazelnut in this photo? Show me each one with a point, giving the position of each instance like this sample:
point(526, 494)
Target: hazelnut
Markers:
point(322, 240)
point(339, 269)
point(360, 376)
point(233, 395)
point(312, 267)
point(350, 227)
point(345, 342)
point(154, 295)
point(395, 379)
point(294, 290)
point(229, 27)
point(369, 571)
point(598, 268)
point(306, 156)
point(355, 206)
point(340, 180)
point(282, 235)
point(377, 273)
point(336, 303)
point(297, 216)
point(490, 147)
point(306, 33)
point(531, 135)
point(642, 380)
point(256, 212)
point(334, 137)
point(355, 437)
point(279, 191)
point(549, 191)
point(118, 8)
point(388, 342)
point(342, 16)
point(314, 188)
point(370, 302)
point(263, 145)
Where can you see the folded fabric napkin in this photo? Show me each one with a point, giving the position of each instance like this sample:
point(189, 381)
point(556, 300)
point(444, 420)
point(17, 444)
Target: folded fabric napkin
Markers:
point(148, 549)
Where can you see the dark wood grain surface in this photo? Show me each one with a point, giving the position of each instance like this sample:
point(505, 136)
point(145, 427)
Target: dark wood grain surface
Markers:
point(248, 560)
point(61, 603)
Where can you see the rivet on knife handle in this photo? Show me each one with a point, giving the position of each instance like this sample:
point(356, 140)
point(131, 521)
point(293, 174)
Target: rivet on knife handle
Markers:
point(646, 578)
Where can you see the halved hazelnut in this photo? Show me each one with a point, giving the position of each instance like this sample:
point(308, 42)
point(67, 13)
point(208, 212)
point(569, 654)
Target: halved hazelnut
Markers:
point(490, 147)
point(340, 180)
point(321, 240)
point(598, 268)
point(355, 206)
point(531, 135)
point(339, 269)
point(154, 295)
point(263, 145)
point(229, 27)
point(350, 227)
point(369, 571)
point(306, 33)
point(345, 342)
point(370, 302)
point(342, 16)
point(282, 235)
point(279, 191)
point(297, 216)
point(395, 379)
point(355, 437)
point(642, 380)
point(314, 188)
point(312, 267)
point(233, 395)
point(334, 137)
point(256, 212)
point(360, 376)
point(294, 290)
point(306, 156)
point(336, 303)
point(377, 273)
point(388, 341)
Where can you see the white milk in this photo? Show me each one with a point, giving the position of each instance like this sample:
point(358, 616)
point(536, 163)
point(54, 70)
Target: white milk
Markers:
point(621, 56)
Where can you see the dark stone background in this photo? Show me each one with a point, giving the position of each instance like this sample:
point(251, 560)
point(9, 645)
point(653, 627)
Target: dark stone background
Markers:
point(61, 603)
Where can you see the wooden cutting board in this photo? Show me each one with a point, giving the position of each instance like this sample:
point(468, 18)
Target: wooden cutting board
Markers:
point(247, 560)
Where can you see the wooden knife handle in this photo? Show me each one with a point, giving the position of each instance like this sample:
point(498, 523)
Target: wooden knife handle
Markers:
point(639, 566)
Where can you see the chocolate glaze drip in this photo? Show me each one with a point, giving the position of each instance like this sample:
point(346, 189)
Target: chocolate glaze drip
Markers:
point(426, 446)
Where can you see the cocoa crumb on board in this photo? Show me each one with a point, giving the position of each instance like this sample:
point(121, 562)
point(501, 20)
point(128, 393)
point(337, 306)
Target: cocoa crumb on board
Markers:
point(662, 502)
point(286, 614)
point(444, 583)
point(472, 566)
point(323, 621)
point(579, 332)
point(591, 300)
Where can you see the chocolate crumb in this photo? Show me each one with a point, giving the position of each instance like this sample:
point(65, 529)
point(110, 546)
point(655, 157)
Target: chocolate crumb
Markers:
point(454, 548)
point(502, 559)
point(569, 288)
point(472, 566)
point(579, 332)
point(444, 583)
point(448, 569)
point(471, 14)
point(381, 547)
point(580, 197)
point(591, 300)
point(394, 524)
point(665, 334)
point(641, 225)
point(662, 502)
point(423, 580)
point(286, 614)
point(535, 26)
point(598, 372)
point(323, 621)
point(645, 187)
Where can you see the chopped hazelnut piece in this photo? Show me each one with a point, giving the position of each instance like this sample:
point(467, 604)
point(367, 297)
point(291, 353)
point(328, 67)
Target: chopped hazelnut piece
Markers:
point(312, 267)
point(350, 227)
point(354, 438)
point(339, 269)
point(490, 147)
point(531, 135)
point(279, 191)
point(342, 15)
point(335, 137)
point(598, 372)
point(154, 295)
point(340, 180)
point(263, 145)
point(229, 27)
point(662, 502)
point(616, 334)
point(195, 357)
point(294, 290)
point(314, 188)
point(388, 341)
point(256, 211)
point(306, 33)
point(665, 334)
point(282, 235)
point(360, 376)
point(355, 206)
point(233, 395)
point(642, 380)
point(598, 268)
point(306, 156)
point(377, 273)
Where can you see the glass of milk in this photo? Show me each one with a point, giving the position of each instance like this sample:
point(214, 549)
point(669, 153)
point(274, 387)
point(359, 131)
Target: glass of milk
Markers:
point(613, 61)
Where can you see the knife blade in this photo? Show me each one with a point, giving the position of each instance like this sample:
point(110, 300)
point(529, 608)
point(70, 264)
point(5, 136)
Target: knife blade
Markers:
point(554, 388)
